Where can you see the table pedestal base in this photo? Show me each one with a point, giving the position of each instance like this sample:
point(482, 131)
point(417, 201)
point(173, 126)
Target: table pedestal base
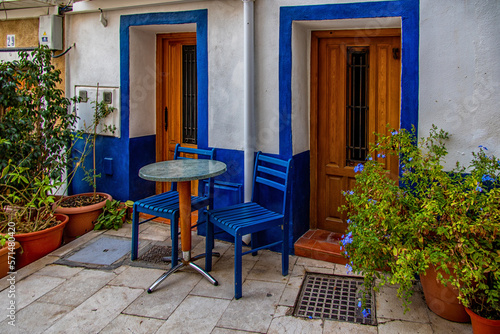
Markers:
point(186, 263)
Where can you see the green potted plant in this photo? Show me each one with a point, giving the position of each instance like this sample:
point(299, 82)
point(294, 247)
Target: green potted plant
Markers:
point(113, 215)
point(84, 209)
point(430, 219)
point(35, 132)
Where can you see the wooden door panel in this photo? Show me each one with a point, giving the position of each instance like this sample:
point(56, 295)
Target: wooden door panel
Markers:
point(332, 172)
point(169, 64)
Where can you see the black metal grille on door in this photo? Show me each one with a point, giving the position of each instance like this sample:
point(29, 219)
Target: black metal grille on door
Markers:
point(357, 105)
point(189, 95)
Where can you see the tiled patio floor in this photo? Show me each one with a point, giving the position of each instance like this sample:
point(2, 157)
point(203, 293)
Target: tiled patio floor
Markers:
point(54, 298)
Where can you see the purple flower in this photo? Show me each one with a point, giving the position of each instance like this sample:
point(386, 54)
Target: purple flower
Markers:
point(349, 268)
point(358, 168)
point(369, 158)
point(359, 303)
point(381, 155)
point(394, 133)
point(366, 312)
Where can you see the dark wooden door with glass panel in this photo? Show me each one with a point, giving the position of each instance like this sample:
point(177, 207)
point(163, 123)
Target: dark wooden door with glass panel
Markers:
point(355, 90)
point(176, 96)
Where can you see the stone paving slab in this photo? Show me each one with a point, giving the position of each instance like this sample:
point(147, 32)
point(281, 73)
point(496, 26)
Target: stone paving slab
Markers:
point(35, 318)
point(79, 288)
point(132, 324)
point(254, 311)
point(26, 291)
point(98, 311)
point(166, 298)
point(195, 315)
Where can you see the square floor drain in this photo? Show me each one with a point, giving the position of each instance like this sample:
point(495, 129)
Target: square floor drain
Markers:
point(334, 297)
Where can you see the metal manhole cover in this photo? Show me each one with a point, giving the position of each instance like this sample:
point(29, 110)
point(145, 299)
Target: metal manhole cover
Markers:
point(155, 254)
point(334, 297)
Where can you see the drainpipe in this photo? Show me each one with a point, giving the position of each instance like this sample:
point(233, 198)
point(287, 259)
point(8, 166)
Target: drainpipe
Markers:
point(248, 95)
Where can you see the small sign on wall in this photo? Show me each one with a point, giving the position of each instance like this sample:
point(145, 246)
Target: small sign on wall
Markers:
point(11, 41)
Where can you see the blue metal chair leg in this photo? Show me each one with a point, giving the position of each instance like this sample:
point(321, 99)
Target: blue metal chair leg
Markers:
point(135, 234)
point(237, 266)
point(209, 245)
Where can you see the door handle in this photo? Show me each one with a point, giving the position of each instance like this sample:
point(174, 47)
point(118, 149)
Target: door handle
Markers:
point(166, 118)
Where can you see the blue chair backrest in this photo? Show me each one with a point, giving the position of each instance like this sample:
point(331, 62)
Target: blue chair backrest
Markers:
point(272, 173)
point(201, 153)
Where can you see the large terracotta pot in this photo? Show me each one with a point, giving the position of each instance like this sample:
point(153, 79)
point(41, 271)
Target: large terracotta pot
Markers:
point(36, 245)
point(81, 219)
point(4, 259)
point(441, 299)
point(482, 325)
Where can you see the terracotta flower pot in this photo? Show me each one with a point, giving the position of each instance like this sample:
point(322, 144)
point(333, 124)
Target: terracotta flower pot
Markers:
point(4, 259)
point(441, 299)
point(482, 325)
point(36, 245)
point(81, 219)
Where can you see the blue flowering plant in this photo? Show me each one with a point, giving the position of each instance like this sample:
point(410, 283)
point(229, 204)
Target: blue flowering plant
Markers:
point(400, 225)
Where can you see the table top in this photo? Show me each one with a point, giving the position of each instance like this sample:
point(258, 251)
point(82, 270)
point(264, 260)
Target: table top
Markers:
point(182, 170)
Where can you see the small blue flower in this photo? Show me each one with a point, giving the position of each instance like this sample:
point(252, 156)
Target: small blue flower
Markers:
point(369, 158)
point(348, 220)
point(410, 159)
point(486, 178)
point(483, 147)
point(366, 312)
point(381, 155)
point(349, 268)
point(478, 188)
point(394, 133)
point(359, 303)
point(358, 168)
point(310, 317)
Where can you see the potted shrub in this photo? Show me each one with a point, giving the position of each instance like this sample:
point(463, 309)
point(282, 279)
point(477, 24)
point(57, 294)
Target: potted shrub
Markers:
point(84, 209)
point(8, 248)
point(35, 132)
point(429, 219)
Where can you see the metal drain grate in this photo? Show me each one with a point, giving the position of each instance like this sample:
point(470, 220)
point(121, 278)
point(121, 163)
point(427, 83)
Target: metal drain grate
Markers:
point(155, 254)
point(334, 297)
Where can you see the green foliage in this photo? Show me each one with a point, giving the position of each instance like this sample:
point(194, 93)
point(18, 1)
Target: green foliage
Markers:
point(112, 216)
point(431, 217)
point(36, 121)
point(28, 205)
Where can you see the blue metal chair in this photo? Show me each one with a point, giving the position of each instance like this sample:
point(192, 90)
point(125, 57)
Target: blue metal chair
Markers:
point(166, 205)
point(271, 177)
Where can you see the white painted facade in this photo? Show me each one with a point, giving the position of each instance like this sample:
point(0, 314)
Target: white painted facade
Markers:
point(459, 62)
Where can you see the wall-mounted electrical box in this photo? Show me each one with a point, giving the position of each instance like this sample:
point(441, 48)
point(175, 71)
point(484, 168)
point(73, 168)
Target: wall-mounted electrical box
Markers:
point(50, 31)
point(86, 107)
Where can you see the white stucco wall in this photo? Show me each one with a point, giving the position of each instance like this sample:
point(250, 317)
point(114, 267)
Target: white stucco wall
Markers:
point(459, 69)
point(460, 74)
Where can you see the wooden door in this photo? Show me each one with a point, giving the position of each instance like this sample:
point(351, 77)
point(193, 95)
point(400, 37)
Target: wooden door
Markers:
point(355, 91)
point(176, 96)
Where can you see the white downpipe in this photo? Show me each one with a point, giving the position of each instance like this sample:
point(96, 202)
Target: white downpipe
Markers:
point(248, 95)
point(248, 99)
